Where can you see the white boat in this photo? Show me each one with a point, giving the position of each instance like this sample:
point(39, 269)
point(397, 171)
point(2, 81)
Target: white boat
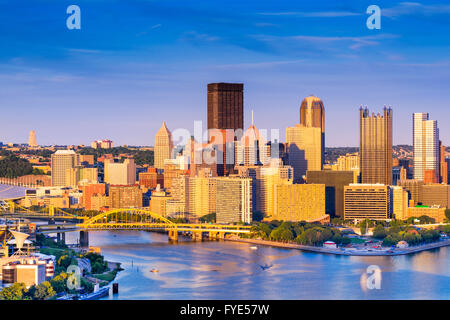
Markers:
point(254, 248)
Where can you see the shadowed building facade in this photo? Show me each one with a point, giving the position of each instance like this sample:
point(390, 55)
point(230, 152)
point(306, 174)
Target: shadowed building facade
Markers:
point(305, 149)
point(334, 182)
point(375, 146)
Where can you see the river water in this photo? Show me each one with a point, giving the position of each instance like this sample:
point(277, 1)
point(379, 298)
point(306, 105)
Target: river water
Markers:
point(230, 270)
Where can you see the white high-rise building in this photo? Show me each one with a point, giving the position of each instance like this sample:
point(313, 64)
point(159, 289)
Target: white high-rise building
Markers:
point(117, 173)
point(426, 146)
point(234, 200)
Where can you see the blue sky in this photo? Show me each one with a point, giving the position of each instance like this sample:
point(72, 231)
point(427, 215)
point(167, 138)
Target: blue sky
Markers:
point(137, 63)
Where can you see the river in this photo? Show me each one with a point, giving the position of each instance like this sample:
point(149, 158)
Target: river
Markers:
point(231, 270)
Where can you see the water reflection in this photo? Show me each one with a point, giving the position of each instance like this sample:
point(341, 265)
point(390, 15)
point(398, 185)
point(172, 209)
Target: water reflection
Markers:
point(227, 270)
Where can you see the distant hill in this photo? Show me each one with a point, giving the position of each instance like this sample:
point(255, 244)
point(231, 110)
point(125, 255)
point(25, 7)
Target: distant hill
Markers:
point(332, 153)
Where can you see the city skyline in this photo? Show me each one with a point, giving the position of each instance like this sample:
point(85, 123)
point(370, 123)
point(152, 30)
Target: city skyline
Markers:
point(281, 53)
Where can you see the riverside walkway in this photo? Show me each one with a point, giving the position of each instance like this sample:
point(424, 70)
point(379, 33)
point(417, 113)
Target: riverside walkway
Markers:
point(347, 251)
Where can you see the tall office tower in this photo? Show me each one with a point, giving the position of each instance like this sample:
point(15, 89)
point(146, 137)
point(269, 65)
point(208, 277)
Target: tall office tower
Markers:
point(312, 114)
point(305, 149)
point(163, 146)
point(61, 161)
point(226, 106)
point(375, 146)
point(367, 201)
point(120, 173)
point(125, 197)
point(426, 148)
point(443, 166)
point(234, 200)
point(32, 139)
point(225, 116)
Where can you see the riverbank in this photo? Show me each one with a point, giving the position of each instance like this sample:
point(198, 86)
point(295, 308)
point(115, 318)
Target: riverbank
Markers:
point(346, 251)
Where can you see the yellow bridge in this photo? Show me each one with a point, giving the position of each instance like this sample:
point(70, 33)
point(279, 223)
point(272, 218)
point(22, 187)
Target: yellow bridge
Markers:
point(10, 208)
point(139, 219)
point(120, 219)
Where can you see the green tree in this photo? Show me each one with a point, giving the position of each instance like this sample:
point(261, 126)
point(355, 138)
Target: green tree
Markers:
point(286, 235)
point(389, 241)
point(44, 291)
point(59, 283)
point(13, 292)
point(208, 218)
point(379, 232)
point(64, 261)
point(12, 166)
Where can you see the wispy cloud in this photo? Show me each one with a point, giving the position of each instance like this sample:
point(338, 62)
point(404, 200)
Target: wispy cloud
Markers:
point(197, 37)
point(84, 50)
point(143, 33)
point(266, 24)
point(259, 65)
point(317, 14)
point(415, 8)
point(352, 42)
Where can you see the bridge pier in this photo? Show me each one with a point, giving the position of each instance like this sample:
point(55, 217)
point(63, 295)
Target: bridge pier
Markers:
point(60, 236)
point(197, 235)
point(173, 235)
point(212, 235)
point(84, 239)
point(221, 235)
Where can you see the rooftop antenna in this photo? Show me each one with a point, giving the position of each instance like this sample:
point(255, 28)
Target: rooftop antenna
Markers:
point(252, 118)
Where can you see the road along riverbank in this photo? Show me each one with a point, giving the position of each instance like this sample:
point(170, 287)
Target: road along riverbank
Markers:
point(346, 251)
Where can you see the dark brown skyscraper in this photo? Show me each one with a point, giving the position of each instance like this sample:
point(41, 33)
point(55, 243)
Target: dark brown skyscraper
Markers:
point(226, 106)
point(375, 146)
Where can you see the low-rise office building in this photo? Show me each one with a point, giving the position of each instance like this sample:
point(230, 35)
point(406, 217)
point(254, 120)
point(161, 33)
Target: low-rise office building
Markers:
point(367, 201)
